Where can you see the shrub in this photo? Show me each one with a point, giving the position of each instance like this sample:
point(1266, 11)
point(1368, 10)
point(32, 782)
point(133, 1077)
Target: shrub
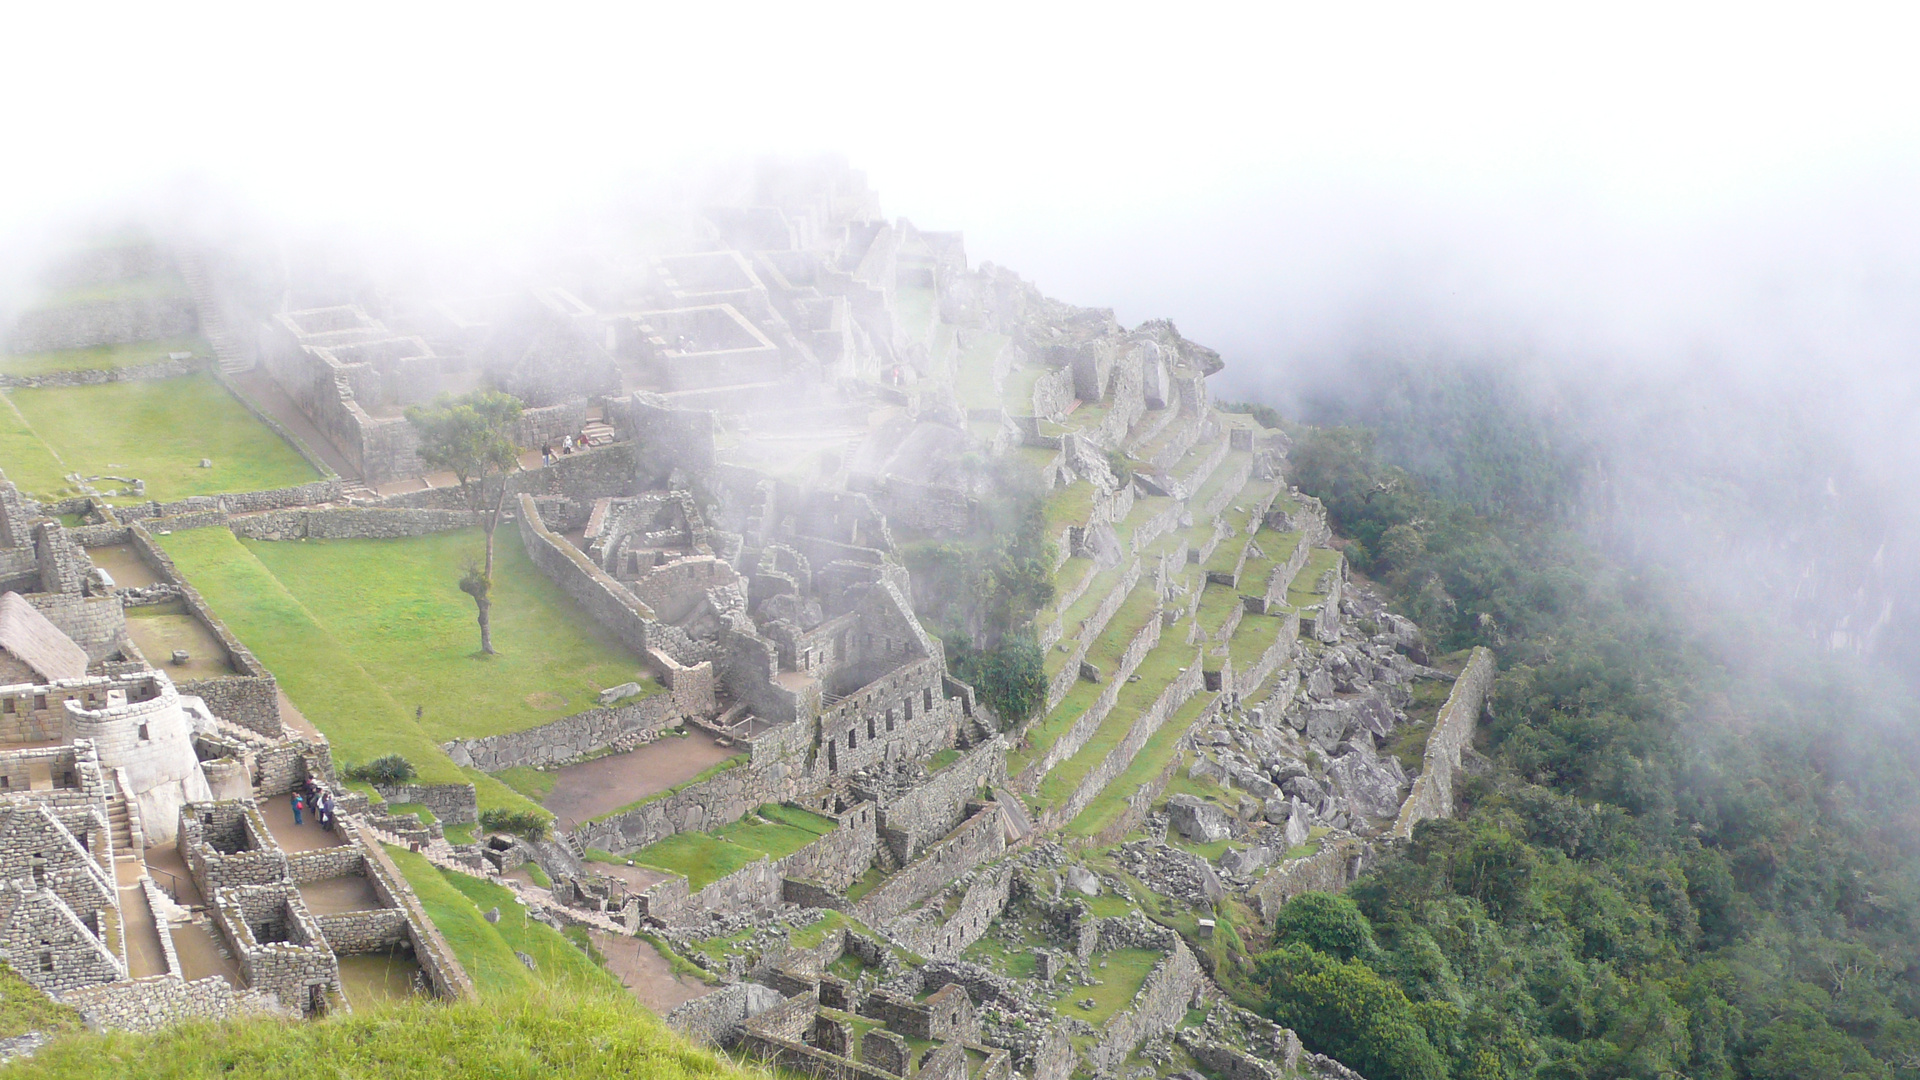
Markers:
point(1330, 923)
point(391, 769)
point(522, 823)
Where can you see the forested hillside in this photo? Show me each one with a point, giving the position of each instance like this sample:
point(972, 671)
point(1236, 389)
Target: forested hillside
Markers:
point(1689, 847)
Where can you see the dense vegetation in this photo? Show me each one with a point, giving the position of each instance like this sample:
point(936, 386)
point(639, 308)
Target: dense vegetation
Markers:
point(981, 593)
point(1689, 848)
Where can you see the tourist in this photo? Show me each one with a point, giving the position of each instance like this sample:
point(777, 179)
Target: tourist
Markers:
point(566, 445)
point(546, 454)
point(299, 807)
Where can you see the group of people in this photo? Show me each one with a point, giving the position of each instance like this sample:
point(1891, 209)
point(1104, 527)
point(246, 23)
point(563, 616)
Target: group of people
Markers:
point(313, 796)
point(568, 443)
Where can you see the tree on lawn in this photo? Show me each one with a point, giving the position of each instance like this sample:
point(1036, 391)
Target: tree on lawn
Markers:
point(471, 436)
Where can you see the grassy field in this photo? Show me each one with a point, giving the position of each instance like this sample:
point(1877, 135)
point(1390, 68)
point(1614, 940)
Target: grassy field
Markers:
point(363, 633)
point(103, 357)
point(157, 430)
point(704, 858)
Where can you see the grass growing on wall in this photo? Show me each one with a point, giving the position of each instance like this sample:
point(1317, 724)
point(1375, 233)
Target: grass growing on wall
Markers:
point(157, 430)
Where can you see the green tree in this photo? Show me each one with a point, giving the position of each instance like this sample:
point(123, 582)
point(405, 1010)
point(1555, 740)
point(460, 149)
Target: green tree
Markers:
point(1332, 924)
point(471, 436)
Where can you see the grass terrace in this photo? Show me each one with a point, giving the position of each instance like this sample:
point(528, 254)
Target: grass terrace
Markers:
point(1222, 474)
point(1145, 766)
point(103, 357)
point(973, 372)
point(1217, 604)
point(1016, 394)
point(1252, 638)
point(1071, 505)
point(1305, 590)
point(704, 858)
point(913, 311)
point(455, 902)
point(1159, 669)
point(1117, 983)
point(376, 645)
point(157, 430)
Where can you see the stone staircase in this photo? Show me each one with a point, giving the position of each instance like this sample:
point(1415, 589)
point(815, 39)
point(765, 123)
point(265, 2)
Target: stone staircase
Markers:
point(227, 347)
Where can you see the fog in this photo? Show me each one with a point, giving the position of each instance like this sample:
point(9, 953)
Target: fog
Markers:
point(1690, 236)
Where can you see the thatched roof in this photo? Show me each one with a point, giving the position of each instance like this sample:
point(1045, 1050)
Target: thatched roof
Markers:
point(37, 643)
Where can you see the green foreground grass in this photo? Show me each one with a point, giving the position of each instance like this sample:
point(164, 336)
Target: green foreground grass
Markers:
point(157, 430)
point(375, 644)
point(530, 1036)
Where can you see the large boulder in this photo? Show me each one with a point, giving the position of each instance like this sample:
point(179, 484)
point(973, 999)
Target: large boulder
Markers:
point(1327, 725)
point(1250, 782)
point(1197, 819)
point(1083, 881)
point(1246, 862)
point(1370, 786)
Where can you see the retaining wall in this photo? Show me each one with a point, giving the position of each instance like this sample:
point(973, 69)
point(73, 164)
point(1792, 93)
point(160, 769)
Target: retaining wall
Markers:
point(1432, 794)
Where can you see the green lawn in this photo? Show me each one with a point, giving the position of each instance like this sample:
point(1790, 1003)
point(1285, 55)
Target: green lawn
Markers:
point(157, 430)
point(361, 632)
point(704, 858)
point(103, 357)
point(395, 605)
point(1114, 987)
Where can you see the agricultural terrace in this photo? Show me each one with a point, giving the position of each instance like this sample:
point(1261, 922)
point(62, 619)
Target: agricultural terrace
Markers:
point(378, 647)
point(102, 357)
point(156, 430)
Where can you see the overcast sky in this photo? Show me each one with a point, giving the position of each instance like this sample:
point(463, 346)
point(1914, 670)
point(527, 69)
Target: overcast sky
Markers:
point(1227, 167)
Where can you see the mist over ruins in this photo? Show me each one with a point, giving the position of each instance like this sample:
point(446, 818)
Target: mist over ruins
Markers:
point(739, 633)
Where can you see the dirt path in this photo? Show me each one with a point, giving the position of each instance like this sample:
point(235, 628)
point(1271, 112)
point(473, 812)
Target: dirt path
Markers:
point(594, 787)
point(647, 974)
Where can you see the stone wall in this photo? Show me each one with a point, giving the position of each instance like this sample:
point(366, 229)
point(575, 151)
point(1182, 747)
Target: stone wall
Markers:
point(256, 708)
point(983, 898)
point(227, 844)
point(714, 1019)
point(430, 950)
point(609, 602)
point(148, 1005)
point(351, 933)
point(933, 809)
point(698, 807)
point(97, 624)
point(161, 369)
point(453, 804)
point(980, 839)
point(689, 696)
point(347, 523)
point(1158, 1008)
point(103, 322)
point(1061, 683)
point(1332, 868)
point(837, 859)
point(1432, 794)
